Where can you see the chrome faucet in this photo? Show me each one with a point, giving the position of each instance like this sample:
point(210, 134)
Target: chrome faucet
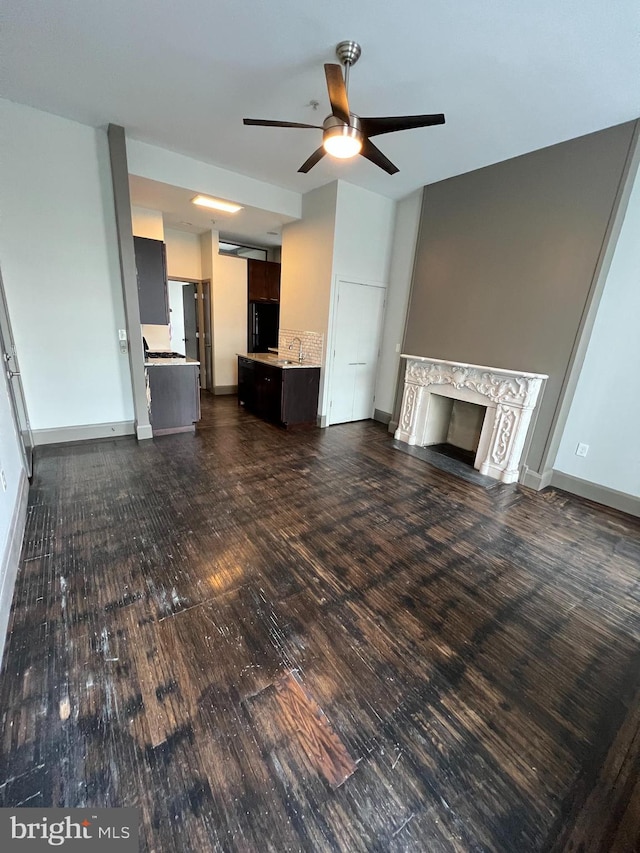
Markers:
point(300, 353)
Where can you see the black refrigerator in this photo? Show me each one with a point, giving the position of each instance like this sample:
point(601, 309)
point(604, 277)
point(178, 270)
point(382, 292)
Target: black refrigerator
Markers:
point(264, 321)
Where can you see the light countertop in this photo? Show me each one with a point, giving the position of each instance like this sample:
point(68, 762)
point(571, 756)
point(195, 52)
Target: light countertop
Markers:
point(170, 362)
point(277, 360)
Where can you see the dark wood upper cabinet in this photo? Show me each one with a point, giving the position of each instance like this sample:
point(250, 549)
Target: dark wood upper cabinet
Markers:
point(273, 281)
point(151, 267)
point(264, 281)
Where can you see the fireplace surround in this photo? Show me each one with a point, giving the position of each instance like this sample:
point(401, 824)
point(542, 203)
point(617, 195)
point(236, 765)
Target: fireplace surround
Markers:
point(510, 398)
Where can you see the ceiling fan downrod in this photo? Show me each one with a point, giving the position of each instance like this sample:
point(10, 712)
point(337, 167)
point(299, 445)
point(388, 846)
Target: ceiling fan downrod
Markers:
point(348, 52)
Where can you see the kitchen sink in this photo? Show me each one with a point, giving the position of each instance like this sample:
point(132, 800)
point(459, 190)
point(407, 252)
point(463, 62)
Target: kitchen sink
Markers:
point(273, 358)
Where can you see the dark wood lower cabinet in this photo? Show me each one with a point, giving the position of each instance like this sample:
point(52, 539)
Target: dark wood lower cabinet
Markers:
point(175, 397)
point(268, 393)
point(286, 396)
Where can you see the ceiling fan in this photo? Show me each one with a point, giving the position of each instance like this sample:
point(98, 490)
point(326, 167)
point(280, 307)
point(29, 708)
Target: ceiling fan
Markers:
point(346, 134)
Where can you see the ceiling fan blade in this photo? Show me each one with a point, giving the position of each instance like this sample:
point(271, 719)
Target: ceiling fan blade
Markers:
point(308, 164)
point(265, 122)
point(337, 92)
point(390, 124)
point(376, 156)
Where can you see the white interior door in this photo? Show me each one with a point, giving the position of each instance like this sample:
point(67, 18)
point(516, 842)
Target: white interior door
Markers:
point(356, 342)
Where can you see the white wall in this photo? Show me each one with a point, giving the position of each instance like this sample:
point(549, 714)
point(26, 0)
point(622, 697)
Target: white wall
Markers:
point(147, 223)
point(61, 272)
point(605, 412)
point(363, 234)
point(183, 254)
point(307, 263)
point(361, 252)
point(346, 232)
point(158, 164)
point(183, 248)
point(228, 276)
point(208, 250)
point(405, 234)
point(229, 300)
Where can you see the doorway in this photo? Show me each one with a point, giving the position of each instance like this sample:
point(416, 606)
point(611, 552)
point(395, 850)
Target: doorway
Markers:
point(190, 321)
point(190, 324)
point(356, 345)
point(14, 382)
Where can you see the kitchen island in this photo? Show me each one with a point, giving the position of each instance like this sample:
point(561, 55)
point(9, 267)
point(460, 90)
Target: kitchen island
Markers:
point(278, 388)
point(174, 394)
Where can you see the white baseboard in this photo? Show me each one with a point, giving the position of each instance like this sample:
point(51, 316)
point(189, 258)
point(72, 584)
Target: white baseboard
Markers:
point(223, 390)
point(11, 557)
point(593, 492)
point(143, 431)
point(85, 432)
point(534, 480)
point(381, 417)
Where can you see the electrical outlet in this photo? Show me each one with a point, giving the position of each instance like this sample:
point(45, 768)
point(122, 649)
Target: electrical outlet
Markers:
point(582, 449)
point(398, 347)
point(3, 480)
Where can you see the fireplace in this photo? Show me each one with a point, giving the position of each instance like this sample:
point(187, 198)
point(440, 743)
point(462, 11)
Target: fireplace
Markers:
point(454, 427)
point(509, 397)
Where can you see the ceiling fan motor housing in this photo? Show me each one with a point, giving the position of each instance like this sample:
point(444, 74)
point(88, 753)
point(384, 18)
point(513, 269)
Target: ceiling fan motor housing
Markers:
point(336, 129)
point(333, 121)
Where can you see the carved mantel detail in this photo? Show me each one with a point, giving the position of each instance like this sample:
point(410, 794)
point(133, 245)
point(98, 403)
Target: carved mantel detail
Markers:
point(508, 395)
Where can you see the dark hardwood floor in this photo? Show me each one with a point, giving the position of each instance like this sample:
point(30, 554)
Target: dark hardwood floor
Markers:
point(309, 641)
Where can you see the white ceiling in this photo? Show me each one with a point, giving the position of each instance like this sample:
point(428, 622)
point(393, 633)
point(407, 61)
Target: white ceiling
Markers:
point(510, 76)
point(250, 225)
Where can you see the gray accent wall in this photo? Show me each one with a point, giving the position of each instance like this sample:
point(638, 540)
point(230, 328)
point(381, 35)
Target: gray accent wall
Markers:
point(507, 260)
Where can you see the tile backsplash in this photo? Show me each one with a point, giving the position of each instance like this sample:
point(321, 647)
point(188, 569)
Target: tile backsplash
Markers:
point(312, 343)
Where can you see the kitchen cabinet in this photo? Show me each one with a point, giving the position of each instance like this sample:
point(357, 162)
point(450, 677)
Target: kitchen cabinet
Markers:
point(175, 397)
point(151, 268)
point(263, 281)
point(273, 281)
point(268, 393)
point(283, 395)
point(246, 382)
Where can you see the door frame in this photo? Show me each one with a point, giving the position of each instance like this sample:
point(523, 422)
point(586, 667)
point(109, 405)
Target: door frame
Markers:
point(11, 367)
point(326, 385)
point(206, 367)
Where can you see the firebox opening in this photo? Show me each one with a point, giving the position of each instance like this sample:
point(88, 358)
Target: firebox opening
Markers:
point(454, 427)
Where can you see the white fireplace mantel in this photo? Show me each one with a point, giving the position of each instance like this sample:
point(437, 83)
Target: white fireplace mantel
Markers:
point(510, 397)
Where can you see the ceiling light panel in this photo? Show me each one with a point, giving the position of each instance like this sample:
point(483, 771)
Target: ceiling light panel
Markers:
point(216, 204)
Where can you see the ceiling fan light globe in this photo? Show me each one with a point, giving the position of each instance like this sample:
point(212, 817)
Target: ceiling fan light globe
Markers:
point(342, 142)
